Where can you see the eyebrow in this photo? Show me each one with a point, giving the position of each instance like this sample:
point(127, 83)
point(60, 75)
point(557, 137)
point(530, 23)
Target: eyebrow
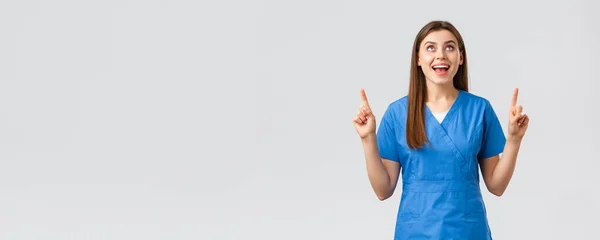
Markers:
point(449, 41)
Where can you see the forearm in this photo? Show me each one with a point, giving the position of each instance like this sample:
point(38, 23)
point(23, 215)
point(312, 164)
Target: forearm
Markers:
point(376, 171)
point(505, 168)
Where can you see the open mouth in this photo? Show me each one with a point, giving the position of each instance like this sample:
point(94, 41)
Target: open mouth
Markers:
point(440, 69)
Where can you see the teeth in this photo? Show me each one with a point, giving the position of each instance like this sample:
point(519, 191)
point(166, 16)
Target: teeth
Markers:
point(440, 66)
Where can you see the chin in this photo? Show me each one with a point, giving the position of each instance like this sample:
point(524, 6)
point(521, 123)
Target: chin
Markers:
point(437, 80)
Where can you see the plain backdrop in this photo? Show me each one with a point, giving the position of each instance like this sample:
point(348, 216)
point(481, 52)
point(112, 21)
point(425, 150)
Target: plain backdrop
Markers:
point(233, 119)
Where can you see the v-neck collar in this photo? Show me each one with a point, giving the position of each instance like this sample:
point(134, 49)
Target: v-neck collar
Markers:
point(450, 111)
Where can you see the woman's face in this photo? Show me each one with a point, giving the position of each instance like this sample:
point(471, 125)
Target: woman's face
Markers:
point(439, 57)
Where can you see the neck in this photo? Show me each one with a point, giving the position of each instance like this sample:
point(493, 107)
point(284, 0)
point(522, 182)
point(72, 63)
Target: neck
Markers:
point(441, 92)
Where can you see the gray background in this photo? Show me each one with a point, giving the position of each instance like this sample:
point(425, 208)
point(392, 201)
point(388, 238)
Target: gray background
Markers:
point(232, 119)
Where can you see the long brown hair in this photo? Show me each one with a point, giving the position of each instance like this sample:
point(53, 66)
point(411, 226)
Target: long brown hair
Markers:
point(415, 121)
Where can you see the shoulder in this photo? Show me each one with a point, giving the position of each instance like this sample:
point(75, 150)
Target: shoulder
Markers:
point(396, 110)
point(477, 105)
point(399, 103)
point(397, 107)
point(479, 108)
point(474, 100)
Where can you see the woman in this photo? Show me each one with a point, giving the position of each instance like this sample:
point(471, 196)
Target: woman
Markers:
point(438, 135)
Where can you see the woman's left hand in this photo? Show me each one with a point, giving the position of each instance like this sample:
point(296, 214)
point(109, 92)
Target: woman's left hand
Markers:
point(518, 120)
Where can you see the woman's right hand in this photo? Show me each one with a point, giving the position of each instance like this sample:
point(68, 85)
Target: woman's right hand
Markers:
point(364, 121)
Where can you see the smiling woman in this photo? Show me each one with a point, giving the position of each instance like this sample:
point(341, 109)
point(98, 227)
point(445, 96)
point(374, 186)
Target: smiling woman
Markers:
point(442, 135)
point(434, 51)
point(438, 44)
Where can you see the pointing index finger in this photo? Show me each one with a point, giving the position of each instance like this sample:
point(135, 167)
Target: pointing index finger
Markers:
point(514, 97)
point(363, 96)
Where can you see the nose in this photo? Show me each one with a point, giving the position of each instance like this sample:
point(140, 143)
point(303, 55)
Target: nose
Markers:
point(440, 54)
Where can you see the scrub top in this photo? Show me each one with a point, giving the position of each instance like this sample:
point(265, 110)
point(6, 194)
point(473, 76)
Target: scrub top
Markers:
point(441, 198)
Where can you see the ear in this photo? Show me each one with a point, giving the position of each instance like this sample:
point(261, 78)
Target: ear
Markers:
point(461, 58)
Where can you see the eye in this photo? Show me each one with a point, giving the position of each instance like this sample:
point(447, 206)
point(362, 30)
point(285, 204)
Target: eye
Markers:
point(430, 48)
point(450, 48)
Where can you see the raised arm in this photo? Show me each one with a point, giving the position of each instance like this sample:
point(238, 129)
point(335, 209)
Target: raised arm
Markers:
point(497, 171)
point(383, 173)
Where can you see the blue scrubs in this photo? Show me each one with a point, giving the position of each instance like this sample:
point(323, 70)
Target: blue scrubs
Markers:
point(441, 198)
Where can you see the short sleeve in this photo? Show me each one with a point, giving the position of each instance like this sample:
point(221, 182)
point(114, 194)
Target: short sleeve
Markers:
point(386, 137)
point(493, 139)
